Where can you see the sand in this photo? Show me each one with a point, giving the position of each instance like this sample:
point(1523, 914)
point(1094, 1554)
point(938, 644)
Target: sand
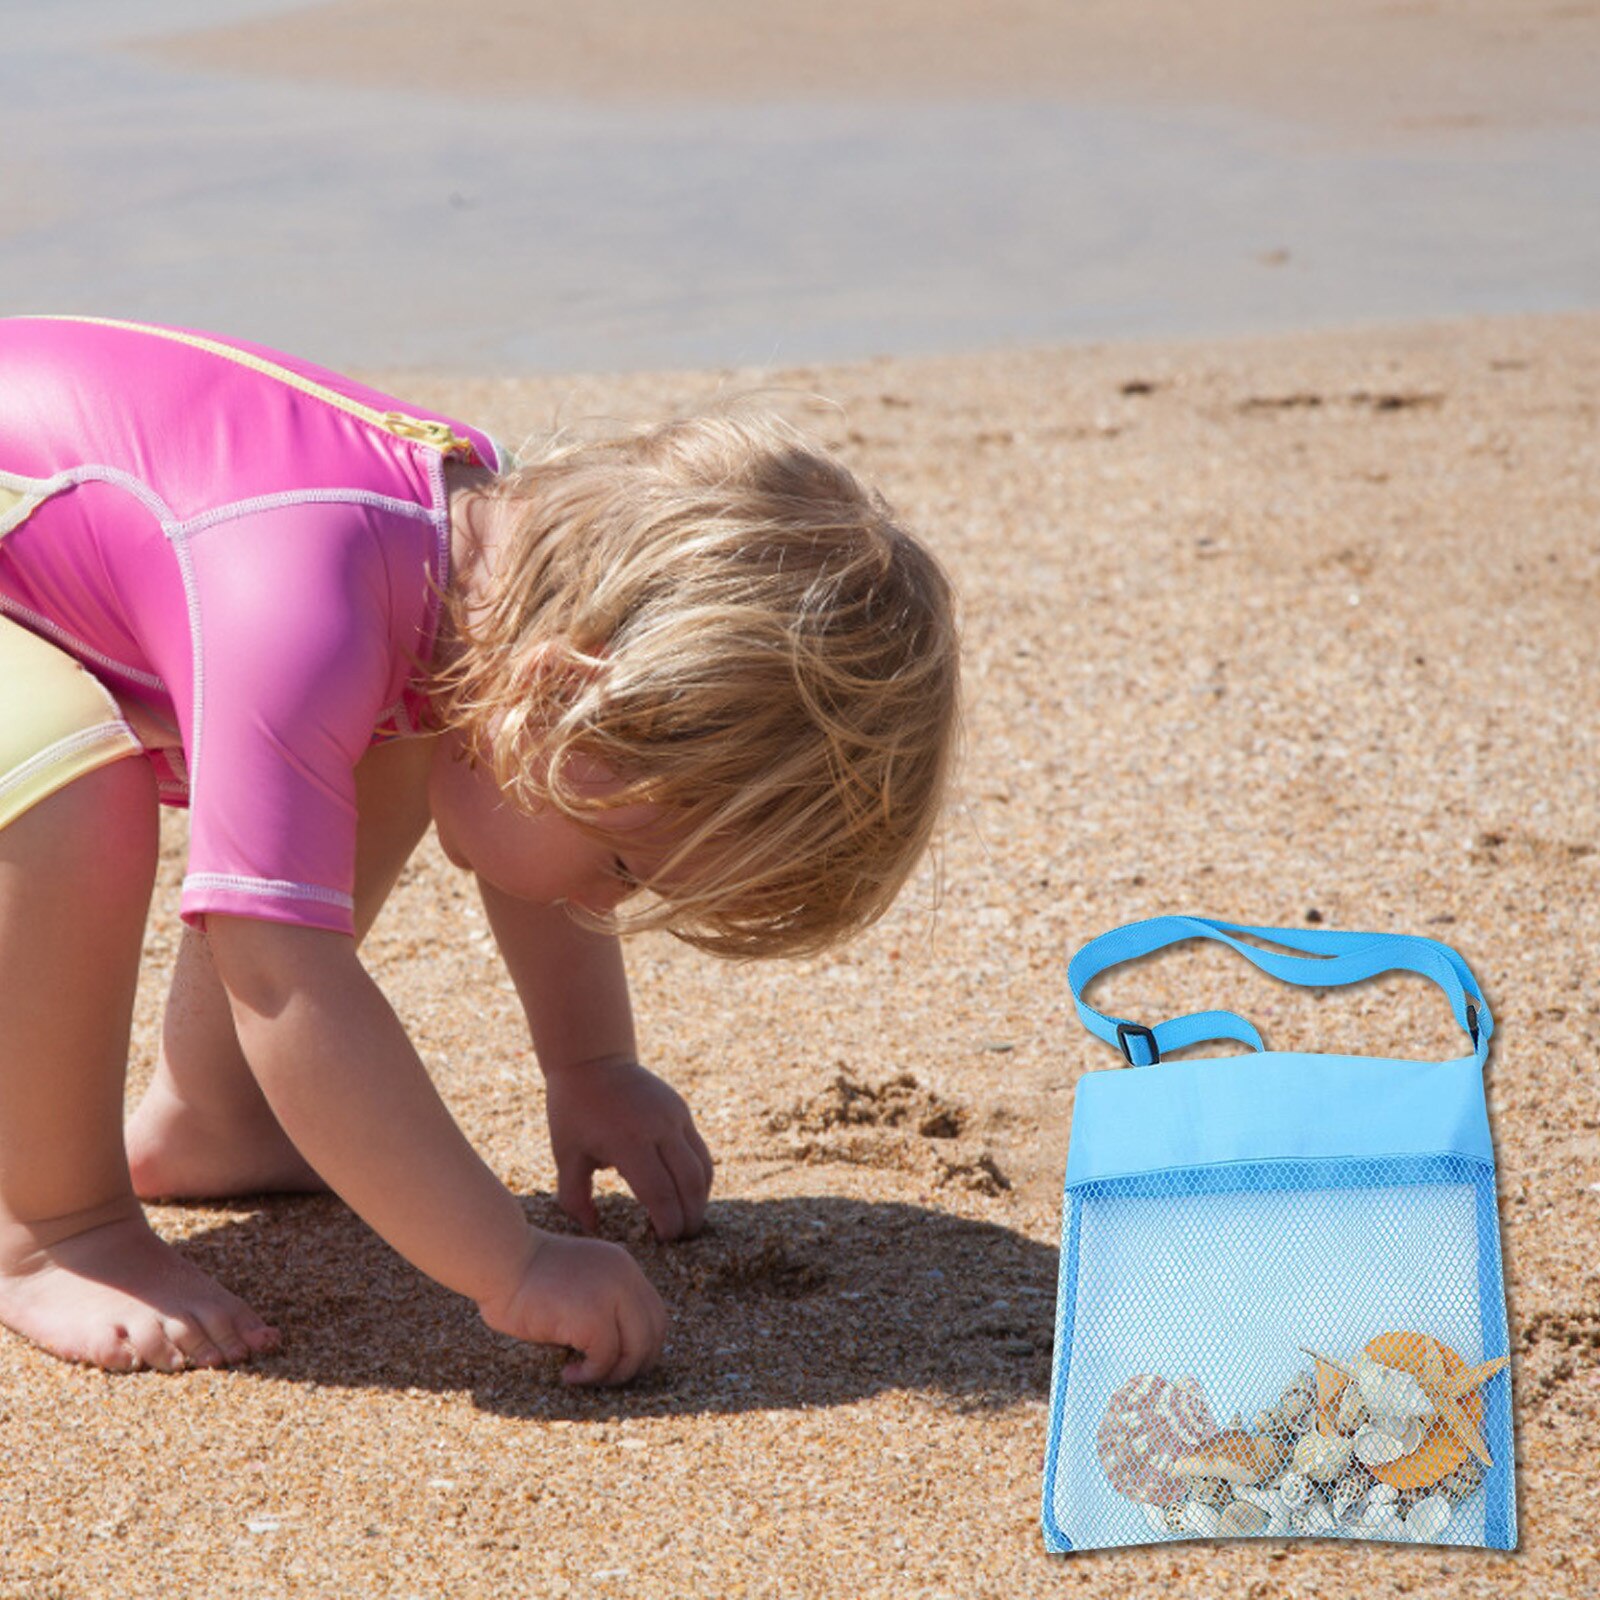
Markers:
point(1268, 630)
point(1364, 67)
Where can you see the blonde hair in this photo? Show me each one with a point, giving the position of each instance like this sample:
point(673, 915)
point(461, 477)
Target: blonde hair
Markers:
point(758, 647)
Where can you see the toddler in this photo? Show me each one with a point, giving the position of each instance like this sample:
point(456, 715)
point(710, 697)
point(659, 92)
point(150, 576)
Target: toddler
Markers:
point(701, 661)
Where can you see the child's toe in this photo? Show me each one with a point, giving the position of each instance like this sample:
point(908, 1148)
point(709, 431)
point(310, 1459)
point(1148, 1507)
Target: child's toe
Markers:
point(153, 1346)
point(222, 1337)
point(262, 1339)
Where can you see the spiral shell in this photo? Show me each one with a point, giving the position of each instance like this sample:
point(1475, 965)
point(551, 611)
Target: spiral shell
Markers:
point(1320, 1457)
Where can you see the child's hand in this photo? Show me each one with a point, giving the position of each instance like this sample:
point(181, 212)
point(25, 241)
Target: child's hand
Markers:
point(615, 1114)
point(591, 1296)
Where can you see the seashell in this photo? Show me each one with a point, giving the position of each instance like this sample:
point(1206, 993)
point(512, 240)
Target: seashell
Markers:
point(1347, 1492)
point(1381, 1494)
point(1409, 1431)
point(1463, 1481)
point(1438, 1455)
point(1332, 1377)
point(1428, 1518)
point(1241, 1518)
point(1204, 1520)
point(1271, 1503)
point(1156, 1516)
point(1318, 1518)
point(1390, 1390)
point(1295, 1488)
point(1351, 1411)
point(1451, 1384)
point(1373, 1447)
point(1233, 1455)
point(1148, 1423)
point(1322, 1458)
point(1297, 1398)
point(1173, 1515)
point(1380, 1522)
point(1210, 1491)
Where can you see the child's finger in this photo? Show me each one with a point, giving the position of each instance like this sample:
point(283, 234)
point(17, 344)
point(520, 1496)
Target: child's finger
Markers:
point(575, 1190)
point(703, 1153)
point(640, 1341)
point(657, 1189)
point(599, 1355)
point(692, 1183)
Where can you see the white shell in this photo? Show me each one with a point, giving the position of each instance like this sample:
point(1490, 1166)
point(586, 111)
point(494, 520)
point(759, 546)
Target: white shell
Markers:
point(1387, 1389)
point(1380, 1522)
point(1322, 1458)
point(1428, 1518)
point(1204, 1520)
point(1242, 1517)
point(1297, 1399)
point(1382, 1494)
point(1351, 1407)
point(1273, 1503)
point(1295, 1488)
point(1156, 1516)
point(1318, 1518)
point(1374, 1447)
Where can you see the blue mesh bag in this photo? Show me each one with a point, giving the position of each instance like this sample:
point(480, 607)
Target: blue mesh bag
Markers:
point(1281, 1310)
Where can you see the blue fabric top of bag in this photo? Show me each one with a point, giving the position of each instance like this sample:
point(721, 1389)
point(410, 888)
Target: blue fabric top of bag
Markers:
point(1273, 1104)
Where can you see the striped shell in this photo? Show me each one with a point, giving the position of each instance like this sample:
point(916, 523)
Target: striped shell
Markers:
point(1148, 1424)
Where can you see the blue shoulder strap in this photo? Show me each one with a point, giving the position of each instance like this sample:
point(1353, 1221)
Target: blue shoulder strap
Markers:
point(1340, 958)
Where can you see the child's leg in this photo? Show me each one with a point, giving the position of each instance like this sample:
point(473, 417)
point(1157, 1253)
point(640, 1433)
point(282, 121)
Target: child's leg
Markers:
point(80, 1271)
point(204, 1128)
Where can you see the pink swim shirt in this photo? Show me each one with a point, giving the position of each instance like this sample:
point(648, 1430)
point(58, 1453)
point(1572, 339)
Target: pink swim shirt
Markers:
point(250, 547)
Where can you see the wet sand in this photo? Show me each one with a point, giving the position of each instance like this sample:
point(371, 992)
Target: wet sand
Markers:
point(1268, 630)
point(1366, 67)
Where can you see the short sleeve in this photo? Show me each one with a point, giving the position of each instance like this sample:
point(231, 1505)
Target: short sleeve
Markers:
point(292, 613)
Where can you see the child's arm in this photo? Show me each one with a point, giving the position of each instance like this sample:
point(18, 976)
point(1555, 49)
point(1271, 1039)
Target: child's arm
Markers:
point(350, 1091)
point(605, 1109)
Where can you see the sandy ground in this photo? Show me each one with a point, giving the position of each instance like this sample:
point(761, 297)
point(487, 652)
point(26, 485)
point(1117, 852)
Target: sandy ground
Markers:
point(1366, 67)
point(1260, 630)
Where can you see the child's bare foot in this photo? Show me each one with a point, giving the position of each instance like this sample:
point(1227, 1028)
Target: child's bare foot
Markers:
point(177, 1150)
point(102, 1288)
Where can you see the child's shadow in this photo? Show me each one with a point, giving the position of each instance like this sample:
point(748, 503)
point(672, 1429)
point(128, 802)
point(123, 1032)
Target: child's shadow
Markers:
point(777, 1304)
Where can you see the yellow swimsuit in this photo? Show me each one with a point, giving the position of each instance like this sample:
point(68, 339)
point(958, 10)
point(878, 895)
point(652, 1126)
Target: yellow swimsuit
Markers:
point(57, 721)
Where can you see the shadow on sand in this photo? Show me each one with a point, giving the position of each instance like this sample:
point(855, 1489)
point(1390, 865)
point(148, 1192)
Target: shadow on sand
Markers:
point(778, 1304)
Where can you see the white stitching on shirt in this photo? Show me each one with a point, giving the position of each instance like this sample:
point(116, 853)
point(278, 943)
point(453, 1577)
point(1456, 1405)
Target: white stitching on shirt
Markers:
point(191, 596)
point(269, 888)
point(92, 472)
point(296, 497)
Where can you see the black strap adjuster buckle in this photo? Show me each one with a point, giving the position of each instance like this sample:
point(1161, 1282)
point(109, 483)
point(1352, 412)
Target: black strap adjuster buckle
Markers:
point(1472, 1023)
point(1126, 1028)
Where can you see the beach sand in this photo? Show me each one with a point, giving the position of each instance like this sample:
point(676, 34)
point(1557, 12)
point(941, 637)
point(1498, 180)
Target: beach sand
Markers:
point(1261, 629)
point(1281, 630)
point(1367, 67)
